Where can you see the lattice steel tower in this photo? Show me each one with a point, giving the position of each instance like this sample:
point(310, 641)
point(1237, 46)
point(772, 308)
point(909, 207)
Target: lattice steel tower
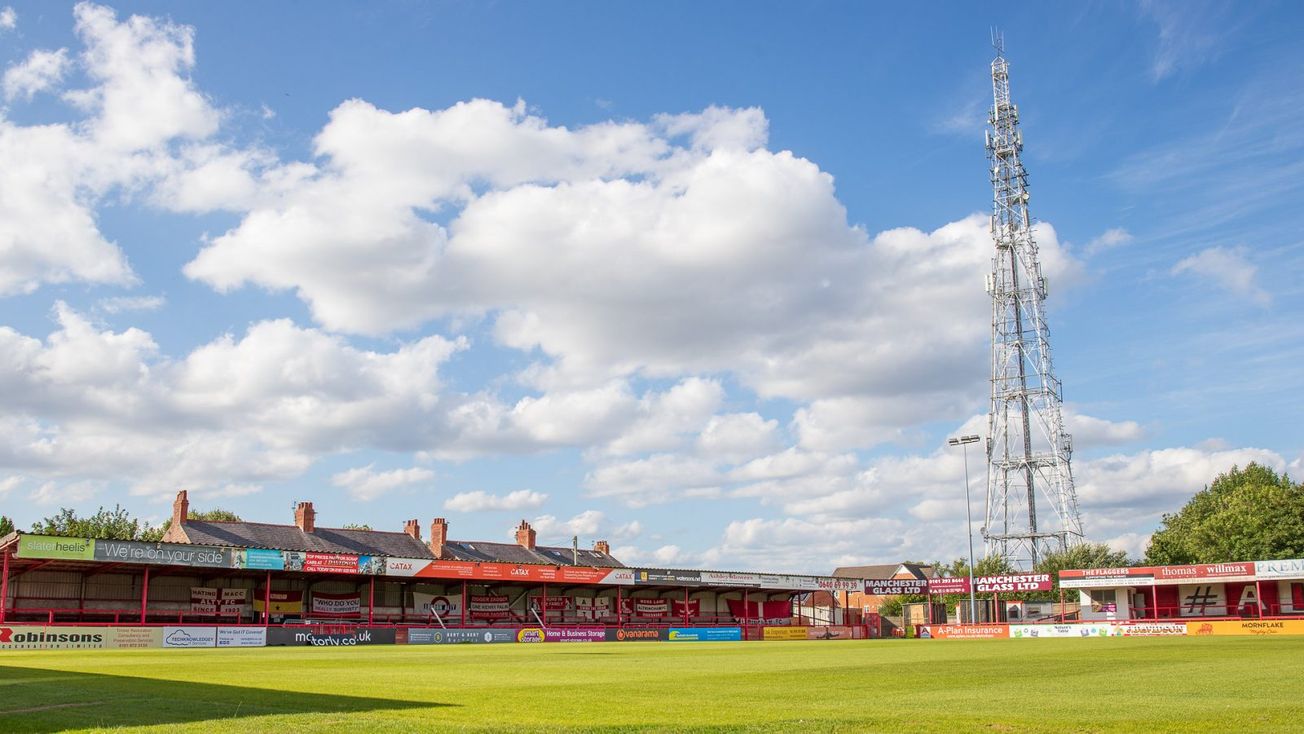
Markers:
point(1028, 450)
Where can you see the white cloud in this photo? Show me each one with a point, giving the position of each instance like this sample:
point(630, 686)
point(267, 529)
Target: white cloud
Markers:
point(480, 501)
point(98, 404)
point(1190, 34)
point(665, 418)
point(8, 18)
point(122, 304)
point(42, 70)
point(1088, 431)
point(1225, 268)
point(587, 524)
point(366, 484)
point(737, 437)
point(1108, 240)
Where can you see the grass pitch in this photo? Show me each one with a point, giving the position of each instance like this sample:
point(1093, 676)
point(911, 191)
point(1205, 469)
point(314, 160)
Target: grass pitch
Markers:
point(1093, 685)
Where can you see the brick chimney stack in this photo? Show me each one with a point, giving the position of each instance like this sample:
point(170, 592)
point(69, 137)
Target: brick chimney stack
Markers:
point(603, 547)
point(180, 508)
point(438, 536)
point(525, 535)
point(413, 528)
point(305, 517)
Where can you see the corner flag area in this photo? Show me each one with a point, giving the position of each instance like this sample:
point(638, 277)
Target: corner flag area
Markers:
point(1098, 685)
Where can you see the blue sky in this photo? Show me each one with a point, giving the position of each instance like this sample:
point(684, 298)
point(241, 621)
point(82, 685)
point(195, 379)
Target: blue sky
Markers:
point(704, 280)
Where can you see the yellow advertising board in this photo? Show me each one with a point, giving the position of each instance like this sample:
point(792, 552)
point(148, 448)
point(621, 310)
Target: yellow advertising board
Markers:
point(784, 633)
point(68, 637)
point(1247, 627)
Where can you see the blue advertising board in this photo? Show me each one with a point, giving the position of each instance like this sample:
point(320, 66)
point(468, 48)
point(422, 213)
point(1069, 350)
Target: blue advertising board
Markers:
point(264, 560)
point(705, 634)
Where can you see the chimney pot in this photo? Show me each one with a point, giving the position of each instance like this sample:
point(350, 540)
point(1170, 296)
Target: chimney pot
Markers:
point(305, 518)
point(603, 547)
point(525, 535)
point(413, 528)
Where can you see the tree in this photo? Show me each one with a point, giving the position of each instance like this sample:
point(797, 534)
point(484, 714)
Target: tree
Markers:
point(1250, 514)
point(115, 524)
point(216, 514)
point(6, 525)
point(357, 526)
point(1085, 555)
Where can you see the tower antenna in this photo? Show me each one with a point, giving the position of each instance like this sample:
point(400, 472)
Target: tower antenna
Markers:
point(1028, 450)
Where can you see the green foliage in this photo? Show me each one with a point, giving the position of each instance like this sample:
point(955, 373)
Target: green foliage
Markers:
point(1085, 555)
point(115, 524)
point(357, 526)
point(6, 525)
point(1248, 514)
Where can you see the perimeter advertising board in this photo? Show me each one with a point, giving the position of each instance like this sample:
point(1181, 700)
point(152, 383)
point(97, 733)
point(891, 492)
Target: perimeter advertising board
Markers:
point(637, 634)
point(59, 637)
point(189, 637)
point(1036, 631)
point(43, 546)
point(783, 633)
point(280, 636)
point(705, 634)
point(241, 636)
point(1262, 627)
point(964, 631)
point(458, 636)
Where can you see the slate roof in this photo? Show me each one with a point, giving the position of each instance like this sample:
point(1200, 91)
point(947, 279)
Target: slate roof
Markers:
point(883, 571)
point(464, 550)
point(290, 537)
point(381, 543)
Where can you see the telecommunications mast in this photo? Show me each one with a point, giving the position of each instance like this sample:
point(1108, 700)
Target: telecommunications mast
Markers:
point(1028, 450)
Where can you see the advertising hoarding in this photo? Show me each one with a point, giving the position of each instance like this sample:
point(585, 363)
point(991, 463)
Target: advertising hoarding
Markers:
point(69, 637)
point(704, 634)
point(949, 585)
point(336, 604)
point(895, 587)
point(45, 546)
point(252, 636)
point(1014, 582)
point(1245, 627)
point(189, 637)
point(964, 631)
point(637, 634)
point(282, 636)
point(458, 636)
point(783, 633)
point(264, 560)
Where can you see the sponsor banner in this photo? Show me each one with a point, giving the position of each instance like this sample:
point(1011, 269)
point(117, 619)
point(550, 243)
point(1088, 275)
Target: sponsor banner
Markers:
point(189, 637)
point(58, 637)
point(280, 636)
point(166, 554)
point(830, 633)
point(371, 565)
point(1152, 629)
point(508, 572)
point(705, 634)
point(530, 634)
point(458, 636)
point(1104, 578)
point(1036, 631)
point(321, 562)
point(241, 636)
point(487, 606)
point(336, 604)
point(283, 602)
point(949, 585)
point(1247, 627)
point(1292, 569)
point(637, 634)
point(783, 633)
point(1211, 571)
point(575, 634)
point(264, 560)
point(895, 587)
point(727, 578)
point(45, 546)
point(646, 607)
point(446, 607)
point(660, 576)
point(964, 631)
point(552, 603)
point(1014, 582)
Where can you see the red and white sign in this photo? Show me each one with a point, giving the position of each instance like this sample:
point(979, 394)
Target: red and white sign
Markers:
point(1014, 582)
point(949, 585)
point(330, 563)
point(447, 607)
point(552, 603)
point(1105, 578)
point(694, 607)
point(336, 604)
point(206, 600)
point(525, 573)
point(487, 606)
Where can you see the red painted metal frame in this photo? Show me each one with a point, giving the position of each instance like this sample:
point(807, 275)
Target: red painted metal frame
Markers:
point(4, 587)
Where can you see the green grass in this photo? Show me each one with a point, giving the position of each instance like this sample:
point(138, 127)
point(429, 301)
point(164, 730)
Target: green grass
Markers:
point(1148, 685)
